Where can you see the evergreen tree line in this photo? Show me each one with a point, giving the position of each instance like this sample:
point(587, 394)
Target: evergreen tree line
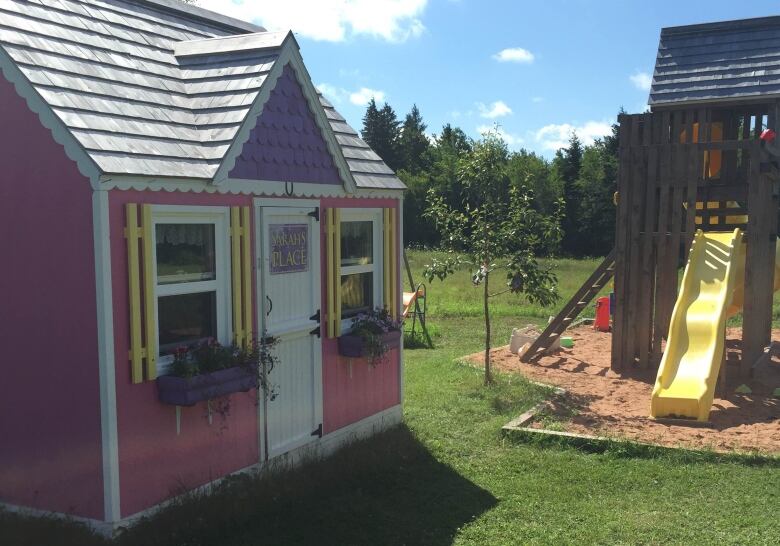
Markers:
point(579, 181)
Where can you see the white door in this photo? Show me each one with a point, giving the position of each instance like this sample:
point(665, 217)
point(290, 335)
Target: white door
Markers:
point(289, 293)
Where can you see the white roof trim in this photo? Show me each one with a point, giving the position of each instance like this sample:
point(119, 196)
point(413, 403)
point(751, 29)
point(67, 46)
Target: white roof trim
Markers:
point(257, 188)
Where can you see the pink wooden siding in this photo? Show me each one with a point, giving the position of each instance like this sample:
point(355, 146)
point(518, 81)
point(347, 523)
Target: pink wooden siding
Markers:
point(350, 397)
point(154, 462)
point(286, 144)
point(50, 454)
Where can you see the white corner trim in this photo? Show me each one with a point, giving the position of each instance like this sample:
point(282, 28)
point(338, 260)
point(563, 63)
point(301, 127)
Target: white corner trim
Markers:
point(106, 365)
point(320, 448)
point(47, 117)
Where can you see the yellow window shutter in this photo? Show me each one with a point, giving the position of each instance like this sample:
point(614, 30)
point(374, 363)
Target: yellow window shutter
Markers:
point(246, 260)
point(133, 236)
point(143, 340)
point(150, 328)
point(394, 262)
point(390, 262)
point(241, 274)
point(235, 271)
point(333, 252)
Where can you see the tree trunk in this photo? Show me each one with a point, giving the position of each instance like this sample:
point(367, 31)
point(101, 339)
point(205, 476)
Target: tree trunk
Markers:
point(486, 296)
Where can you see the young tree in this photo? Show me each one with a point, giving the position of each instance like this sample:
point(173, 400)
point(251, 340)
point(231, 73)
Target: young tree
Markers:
point(495, 230)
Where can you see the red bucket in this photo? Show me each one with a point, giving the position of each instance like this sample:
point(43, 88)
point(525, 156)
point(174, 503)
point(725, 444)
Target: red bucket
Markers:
point(602, 314)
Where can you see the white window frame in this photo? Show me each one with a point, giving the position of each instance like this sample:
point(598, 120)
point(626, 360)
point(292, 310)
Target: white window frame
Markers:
point(374, 216)
point(219, 217)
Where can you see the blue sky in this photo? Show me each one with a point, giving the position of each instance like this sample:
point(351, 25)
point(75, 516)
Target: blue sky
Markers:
point(567, 65)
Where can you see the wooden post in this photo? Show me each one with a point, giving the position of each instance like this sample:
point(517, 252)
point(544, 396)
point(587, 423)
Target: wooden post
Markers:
point(621, 242)
point(759, 263)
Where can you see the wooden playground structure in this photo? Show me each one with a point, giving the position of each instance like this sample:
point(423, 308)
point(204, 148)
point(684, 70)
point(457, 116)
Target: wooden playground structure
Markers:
point(683, 169)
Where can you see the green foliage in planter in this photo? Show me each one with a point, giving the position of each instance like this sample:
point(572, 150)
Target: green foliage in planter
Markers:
point(370, 327)
point(258, 357)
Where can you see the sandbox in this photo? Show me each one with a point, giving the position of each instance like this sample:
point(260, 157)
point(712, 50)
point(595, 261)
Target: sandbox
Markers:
point(600, 402)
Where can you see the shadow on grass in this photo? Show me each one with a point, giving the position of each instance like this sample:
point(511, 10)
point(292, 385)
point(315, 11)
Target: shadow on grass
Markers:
point(385, 490)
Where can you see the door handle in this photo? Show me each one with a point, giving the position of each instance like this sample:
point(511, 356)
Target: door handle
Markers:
point(270, 305)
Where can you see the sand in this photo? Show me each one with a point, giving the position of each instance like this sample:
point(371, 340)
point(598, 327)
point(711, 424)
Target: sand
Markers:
point(600, 402)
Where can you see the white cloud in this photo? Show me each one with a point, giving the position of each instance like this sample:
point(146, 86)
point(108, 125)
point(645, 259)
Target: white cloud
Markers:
point(362, 96)
point(331, 92)
point(359, 97)
point(496, 110)
point(509, 138)
point(554, 136)
point(641, 80)
point(330, 20)
point(514, 55)
point(537, 99)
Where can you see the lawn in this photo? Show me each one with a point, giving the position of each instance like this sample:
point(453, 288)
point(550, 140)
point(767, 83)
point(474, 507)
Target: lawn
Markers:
point(448, 476)
point(457, 297)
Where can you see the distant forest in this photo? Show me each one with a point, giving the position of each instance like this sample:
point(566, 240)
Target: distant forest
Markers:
point(581, 180)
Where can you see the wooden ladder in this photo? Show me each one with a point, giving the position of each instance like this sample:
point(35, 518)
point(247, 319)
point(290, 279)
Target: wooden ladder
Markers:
point(574, 307)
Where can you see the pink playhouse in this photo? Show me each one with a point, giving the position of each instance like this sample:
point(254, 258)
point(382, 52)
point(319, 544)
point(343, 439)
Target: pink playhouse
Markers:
point(172, 175)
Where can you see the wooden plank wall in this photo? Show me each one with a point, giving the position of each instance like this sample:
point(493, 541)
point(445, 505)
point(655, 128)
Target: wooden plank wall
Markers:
point(762, 202)
point(663, 172)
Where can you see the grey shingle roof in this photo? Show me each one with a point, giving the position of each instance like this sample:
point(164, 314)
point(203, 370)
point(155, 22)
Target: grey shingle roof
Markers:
point(367, 168)
point(718, 61)
point(154, 87)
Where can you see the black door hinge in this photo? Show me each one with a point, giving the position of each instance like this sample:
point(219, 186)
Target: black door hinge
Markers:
point(318, 431)
point(316, 316)
point(315, 213)
point(315, 332)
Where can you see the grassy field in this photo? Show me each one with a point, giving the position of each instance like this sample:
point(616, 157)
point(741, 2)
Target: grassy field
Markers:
point(447, 476)
point(458, 297)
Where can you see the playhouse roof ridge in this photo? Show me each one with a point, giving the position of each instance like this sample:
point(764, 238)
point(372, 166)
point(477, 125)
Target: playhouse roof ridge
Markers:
point(256, 41)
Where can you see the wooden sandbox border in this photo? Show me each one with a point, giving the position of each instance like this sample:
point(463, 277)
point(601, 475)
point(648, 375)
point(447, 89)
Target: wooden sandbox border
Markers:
point(518, 429)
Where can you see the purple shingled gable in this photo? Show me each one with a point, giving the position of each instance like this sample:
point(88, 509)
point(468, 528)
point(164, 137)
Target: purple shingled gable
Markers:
point(286, 144)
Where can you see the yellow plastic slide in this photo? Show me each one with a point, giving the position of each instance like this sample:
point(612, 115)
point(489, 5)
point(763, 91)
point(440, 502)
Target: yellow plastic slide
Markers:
point(688, 374)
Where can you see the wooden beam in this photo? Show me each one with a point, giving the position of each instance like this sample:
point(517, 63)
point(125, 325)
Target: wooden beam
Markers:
point(621, 241)
point(759, 264)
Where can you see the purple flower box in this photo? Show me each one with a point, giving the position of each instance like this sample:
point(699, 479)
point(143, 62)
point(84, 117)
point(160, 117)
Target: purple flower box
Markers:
point(352, 345)
point(187, 391)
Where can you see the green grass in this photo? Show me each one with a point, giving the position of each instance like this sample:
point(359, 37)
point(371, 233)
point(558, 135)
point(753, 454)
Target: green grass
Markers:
point(448, 476)
point(458, 297)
